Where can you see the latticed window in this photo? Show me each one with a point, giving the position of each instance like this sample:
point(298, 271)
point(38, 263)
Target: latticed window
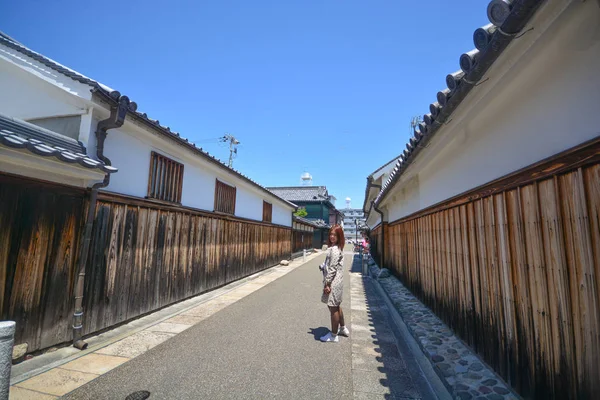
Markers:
point(224, 197)
point(267, 211)
point(165, 179)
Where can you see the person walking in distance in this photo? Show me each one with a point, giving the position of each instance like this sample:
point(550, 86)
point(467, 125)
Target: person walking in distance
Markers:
point(333, 284)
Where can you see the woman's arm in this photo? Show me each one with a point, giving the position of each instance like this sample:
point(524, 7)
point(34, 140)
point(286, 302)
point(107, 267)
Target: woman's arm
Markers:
point(333, 265)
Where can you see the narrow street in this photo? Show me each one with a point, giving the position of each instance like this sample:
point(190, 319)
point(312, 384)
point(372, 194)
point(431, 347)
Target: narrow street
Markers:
point(266, 346)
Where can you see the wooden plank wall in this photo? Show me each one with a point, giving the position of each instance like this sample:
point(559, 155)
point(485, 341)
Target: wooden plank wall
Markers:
point(516, 275)
point(143, 257)
point(147, 256)
point(40, 229)
point(302, 240)
point(375, 244)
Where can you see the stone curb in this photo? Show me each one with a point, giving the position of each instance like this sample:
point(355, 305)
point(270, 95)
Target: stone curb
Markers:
point(463, 373)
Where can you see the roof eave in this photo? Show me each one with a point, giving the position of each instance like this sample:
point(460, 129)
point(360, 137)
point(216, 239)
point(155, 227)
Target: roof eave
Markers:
point(383, 166)
point(521, 13)
point(184, 142)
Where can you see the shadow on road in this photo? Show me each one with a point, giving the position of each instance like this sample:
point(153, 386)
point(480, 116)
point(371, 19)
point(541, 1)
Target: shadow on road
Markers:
point(390, 358)
point(319, 332)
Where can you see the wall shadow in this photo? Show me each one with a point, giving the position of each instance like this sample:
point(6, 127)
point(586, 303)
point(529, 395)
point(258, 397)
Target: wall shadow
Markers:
point(389, 357)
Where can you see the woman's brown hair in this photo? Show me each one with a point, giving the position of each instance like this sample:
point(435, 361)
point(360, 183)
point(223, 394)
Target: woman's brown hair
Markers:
point(339, 233)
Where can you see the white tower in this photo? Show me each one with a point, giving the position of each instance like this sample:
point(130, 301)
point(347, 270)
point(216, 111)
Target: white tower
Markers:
point(306, 179)
point(348, 200)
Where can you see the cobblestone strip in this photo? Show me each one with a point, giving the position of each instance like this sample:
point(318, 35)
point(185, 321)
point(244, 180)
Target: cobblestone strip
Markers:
point(465, 375)
point(378, 369)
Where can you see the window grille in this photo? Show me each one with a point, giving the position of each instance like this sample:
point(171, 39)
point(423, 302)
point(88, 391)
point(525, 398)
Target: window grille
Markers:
point(165, 179)
point(267, 212)
point(225, 197)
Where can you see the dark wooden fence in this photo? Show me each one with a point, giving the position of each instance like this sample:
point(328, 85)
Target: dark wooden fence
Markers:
point(375, 243)
point(40, 230)
point(302, 240)
point(515, 272)
point(144, 256)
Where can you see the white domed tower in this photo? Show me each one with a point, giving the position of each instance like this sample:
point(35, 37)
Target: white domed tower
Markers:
point(348, 200)
point(306, 179)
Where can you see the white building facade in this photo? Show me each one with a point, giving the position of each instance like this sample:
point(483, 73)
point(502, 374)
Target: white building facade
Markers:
point(131, 216)
point(354, 222)
point(491, 213)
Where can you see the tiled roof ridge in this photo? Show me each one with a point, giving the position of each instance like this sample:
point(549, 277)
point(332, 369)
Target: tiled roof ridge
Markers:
point(48, 62)
point(293, 194)
point(297, 187)
point(384, 165)
point(50, 137)
point(308, 222)
point(507, 20)
point(15, 141)
point(113, 95)
point(319, 222)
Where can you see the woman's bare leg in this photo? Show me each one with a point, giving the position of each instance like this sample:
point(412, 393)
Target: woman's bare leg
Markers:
point(335, 319)
point(342, 322)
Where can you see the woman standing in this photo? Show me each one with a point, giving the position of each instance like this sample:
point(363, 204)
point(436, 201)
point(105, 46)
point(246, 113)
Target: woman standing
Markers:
point(333, 284)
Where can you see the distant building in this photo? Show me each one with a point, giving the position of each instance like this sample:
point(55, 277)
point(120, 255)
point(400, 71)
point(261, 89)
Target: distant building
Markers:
point(354, 220)
point(319, 205)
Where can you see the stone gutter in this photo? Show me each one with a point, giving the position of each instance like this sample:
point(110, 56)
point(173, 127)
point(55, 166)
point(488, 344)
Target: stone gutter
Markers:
point(463, 373)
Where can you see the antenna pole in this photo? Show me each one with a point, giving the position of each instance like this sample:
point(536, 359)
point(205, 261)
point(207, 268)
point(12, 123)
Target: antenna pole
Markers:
point(414, 122)
point(233, 142)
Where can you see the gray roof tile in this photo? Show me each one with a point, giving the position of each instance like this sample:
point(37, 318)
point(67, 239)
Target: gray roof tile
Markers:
point(19, 134)
point(316, 223)
point(301, 193)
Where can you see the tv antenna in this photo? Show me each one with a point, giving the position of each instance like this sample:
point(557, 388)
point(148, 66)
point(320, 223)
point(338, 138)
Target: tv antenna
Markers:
point(233, 142)
point(414, 122)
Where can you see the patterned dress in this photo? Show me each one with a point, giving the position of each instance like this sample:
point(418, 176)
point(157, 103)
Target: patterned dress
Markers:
point(334, 275)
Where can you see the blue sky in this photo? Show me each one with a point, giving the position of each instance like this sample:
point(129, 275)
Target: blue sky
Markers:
point(324, 86)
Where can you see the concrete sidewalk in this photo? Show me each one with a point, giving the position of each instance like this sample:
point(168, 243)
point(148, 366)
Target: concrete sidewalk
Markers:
point(386, 362)
point(64, 370)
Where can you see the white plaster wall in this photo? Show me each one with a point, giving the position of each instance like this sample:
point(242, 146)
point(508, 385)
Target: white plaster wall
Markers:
point(129, 150)
point(132, 157)
point(198, 187)
point(281, 215)
point(405, 201)
point(247, 204)
point(548, 103)
point(24, 98)
point(374, 219)
point(45, 73)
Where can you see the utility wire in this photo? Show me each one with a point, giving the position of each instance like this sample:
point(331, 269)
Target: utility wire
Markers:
point(233, 143)
point(211, 140)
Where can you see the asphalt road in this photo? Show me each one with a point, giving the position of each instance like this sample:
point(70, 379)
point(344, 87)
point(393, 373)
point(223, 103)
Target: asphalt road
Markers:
point(263, 346)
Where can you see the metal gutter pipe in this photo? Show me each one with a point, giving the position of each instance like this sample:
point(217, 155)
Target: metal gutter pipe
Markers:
point(292, 238)
point(378, 211)
point(115, 120)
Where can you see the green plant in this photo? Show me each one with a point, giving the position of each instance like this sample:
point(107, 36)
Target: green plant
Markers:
point(301, 212)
